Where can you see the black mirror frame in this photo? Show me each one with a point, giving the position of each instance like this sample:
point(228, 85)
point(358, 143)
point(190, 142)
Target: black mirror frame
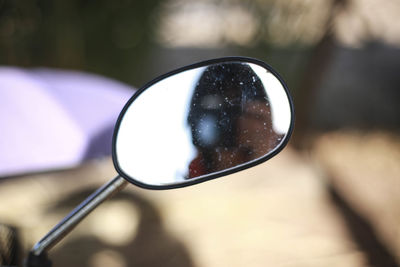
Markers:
point(204, 178)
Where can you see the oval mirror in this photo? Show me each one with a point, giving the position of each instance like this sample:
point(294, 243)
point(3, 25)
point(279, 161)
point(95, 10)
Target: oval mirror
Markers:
point(201, 122)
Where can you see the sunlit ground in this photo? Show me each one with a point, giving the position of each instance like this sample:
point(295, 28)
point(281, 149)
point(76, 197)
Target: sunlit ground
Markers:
point(280, 213)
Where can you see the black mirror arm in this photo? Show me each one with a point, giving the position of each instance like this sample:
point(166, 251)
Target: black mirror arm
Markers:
point(69, 222)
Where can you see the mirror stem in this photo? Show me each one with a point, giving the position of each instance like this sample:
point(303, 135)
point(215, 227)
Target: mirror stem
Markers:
point(78, 214)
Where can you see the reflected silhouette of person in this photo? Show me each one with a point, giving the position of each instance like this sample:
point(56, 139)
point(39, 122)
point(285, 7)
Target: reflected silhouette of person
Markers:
point(229, 118)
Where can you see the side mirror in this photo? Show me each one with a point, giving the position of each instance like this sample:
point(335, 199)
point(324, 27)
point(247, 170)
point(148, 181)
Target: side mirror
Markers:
point(201, 122)
point(188, 126)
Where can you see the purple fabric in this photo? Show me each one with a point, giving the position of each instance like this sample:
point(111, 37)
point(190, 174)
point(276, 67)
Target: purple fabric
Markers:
point(55, 119)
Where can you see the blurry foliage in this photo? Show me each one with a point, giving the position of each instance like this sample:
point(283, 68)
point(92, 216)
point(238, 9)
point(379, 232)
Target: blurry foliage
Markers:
point(134, 41)
point(120, 39)
point(106, 37)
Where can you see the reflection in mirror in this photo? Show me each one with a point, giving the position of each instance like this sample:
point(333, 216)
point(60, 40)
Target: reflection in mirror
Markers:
point(202, 121)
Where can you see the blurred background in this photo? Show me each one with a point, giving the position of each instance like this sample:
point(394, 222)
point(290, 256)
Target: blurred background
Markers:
point(331, 197)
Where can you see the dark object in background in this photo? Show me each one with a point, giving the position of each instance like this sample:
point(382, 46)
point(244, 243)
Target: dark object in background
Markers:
point(10, 248)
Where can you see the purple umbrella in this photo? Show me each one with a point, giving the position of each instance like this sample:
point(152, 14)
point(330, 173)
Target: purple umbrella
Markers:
point(53, 119)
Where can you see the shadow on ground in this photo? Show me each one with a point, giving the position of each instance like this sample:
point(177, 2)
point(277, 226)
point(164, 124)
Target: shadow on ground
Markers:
point(363, 233)
point(151, 245)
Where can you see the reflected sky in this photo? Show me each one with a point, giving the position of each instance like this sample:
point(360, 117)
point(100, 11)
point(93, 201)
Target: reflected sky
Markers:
point(202, 121)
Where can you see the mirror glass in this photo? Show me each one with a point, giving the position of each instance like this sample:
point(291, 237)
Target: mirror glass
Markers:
point(201, 122)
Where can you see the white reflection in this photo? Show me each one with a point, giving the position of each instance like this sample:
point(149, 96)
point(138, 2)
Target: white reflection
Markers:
point(169, 137)
point(207, 129)
point(278, 99)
